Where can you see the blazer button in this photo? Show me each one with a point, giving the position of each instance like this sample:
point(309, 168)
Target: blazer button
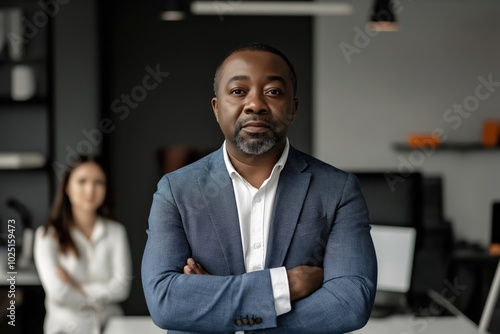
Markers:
point(245, 321)
point(250, 321)
point(258, 320)
point(238, 322)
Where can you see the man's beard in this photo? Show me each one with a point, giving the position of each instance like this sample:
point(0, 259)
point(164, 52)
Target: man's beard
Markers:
point(260, 144)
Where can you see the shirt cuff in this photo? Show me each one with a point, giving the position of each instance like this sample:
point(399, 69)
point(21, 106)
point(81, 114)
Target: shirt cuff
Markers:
point(281, 290)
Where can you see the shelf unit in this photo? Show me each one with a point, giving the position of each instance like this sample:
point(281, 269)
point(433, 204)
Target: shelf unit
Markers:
point(451, 146)
point(26, 118)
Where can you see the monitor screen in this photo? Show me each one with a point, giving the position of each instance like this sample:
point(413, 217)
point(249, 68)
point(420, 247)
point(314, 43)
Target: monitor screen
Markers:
point(395, 248)
point(390, 202)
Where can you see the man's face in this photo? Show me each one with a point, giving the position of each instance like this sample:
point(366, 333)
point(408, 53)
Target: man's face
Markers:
point(254, 105)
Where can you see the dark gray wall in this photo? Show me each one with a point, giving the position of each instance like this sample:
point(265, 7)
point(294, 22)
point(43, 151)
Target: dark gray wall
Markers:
point(177, 111)
point(76, 79)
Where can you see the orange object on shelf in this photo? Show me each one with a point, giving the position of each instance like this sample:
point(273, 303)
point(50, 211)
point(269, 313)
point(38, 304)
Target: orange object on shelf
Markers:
point(430, 141)
point(491, 133)
point(495, 249)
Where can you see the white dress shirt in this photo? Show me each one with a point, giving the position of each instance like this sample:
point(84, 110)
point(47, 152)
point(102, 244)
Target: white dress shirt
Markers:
point(255, 210)
point(103, 269)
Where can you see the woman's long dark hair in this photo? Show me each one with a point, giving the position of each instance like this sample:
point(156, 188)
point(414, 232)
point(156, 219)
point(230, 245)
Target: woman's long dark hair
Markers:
point(61, 216)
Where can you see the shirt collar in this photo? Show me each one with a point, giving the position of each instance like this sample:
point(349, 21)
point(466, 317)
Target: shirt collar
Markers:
point(278, 166)
point(97, 232)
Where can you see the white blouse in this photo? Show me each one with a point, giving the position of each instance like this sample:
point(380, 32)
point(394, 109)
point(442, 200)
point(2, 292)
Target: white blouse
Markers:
point(103, 269)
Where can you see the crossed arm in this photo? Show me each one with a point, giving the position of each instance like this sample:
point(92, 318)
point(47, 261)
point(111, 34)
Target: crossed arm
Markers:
point(199, 303)
point(64, 276)
point(302, 280)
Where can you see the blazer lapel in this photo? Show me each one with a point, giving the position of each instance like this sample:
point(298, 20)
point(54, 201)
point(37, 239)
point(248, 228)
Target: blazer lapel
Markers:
point(217, 189)
point(290, 195)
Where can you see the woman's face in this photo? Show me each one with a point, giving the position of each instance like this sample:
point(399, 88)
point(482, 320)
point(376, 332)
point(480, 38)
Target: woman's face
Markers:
point(86, 187)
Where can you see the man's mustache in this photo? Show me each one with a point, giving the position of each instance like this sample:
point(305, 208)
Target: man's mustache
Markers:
point(242, 122)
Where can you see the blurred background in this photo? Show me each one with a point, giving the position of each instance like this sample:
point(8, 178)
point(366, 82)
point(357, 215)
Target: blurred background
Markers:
point(111, 77)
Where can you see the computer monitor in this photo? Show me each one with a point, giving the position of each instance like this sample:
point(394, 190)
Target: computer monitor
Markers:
point(395, 249)
point(396, 215)
point(393, 199)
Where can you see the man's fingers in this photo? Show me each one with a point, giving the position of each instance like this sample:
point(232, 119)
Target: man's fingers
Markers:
point(193, 268)
point(187, 270)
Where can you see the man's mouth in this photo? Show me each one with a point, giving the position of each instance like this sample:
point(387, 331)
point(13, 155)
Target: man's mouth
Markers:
point(255, 126)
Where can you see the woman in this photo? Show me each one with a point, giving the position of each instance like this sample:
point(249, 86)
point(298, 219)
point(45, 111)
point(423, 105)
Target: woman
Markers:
point(82, 258)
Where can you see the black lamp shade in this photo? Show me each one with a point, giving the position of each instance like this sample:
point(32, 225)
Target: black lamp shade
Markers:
point(382, 12)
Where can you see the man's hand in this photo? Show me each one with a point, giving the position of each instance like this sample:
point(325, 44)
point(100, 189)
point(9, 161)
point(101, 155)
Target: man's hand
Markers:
point(192, 268)
point(304, 280)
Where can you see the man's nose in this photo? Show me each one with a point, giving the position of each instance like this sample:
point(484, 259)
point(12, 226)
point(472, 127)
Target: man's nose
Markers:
point(256, 104)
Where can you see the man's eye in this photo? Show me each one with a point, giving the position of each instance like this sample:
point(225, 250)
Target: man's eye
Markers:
point(237, 91)
point(274, 91)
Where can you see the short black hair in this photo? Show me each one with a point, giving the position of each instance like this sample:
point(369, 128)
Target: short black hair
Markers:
point(257, 46)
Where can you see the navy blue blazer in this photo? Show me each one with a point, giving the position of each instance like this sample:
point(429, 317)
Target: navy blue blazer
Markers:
point(320, 219)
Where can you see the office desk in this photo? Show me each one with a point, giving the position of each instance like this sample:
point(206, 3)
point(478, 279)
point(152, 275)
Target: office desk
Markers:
point(408, 324)
point(132, 325)
point(399, 324)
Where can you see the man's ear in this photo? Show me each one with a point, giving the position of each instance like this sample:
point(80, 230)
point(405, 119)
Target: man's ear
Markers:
point(215, 107)
point(295, 107)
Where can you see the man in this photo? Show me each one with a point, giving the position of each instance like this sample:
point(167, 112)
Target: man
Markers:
point(258, 235)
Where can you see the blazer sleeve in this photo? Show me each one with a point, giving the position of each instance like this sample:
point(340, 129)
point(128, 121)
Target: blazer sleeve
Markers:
point(197, 303)
point(345, 300)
